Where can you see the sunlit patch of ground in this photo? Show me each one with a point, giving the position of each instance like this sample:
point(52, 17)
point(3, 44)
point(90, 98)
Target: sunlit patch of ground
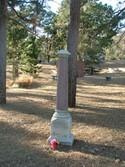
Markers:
point(98, 124)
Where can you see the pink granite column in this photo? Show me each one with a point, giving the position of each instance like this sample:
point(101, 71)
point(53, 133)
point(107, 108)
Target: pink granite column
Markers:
point(62, 83)
point(61, 121)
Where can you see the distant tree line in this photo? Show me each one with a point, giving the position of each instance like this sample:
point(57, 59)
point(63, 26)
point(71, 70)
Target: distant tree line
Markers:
point(35, 33)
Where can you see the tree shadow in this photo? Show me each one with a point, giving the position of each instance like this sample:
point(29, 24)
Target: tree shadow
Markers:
point(32, 95)
point(101, 80)
point(15, 153)
point(26, 107)
point(101, 99)
point(112, 118)
point(109, 117)
point(108, 151)
point(35, 85)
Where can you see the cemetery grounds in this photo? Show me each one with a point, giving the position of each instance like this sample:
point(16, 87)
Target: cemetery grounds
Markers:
point(98, 122)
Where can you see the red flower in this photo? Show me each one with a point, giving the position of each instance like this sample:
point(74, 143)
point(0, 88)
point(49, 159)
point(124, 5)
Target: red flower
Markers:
point(54, 144)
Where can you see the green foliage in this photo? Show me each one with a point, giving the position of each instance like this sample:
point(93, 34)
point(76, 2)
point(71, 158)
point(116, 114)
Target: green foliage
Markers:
point(96, 31)
point(98, 24)
point(24, 44)
point(59, 27)
point(93, 59)
point(117, 50)
point(29, 56)
point(16, 34)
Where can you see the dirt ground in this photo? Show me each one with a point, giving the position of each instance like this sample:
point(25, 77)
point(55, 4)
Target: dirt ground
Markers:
point(98, 123)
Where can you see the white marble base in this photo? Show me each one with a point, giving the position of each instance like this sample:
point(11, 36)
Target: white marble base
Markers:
point(61, 124)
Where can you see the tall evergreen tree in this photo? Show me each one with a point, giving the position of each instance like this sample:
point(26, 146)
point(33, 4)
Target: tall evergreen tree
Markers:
point(72, 44)
point(3, 17)
point(28, 19)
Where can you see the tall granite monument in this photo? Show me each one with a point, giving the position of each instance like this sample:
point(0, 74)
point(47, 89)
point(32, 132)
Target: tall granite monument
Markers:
point(61, 121)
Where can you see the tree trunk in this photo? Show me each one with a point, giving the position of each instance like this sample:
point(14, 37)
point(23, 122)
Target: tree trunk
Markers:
point(72, 43)
point(48, 58)
point(3, 51)
point(15, 68)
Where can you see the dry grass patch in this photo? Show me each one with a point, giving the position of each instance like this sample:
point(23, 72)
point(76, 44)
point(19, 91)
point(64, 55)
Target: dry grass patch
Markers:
point(24, 81)
point(98, 125)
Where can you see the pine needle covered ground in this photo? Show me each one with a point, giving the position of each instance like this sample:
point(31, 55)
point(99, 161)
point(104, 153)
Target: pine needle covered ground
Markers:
point(98, 124)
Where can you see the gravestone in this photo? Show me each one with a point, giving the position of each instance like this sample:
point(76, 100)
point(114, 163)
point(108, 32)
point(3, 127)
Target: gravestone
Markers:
point(61, 121)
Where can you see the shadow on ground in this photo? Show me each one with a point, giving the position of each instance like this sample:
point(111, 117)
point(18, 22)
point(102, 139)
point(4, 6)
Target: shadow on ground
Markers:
point(16, 151)
point(30, 108)
point(111, 152)
point(101, 80)
point(112, 118)
point(13, 153)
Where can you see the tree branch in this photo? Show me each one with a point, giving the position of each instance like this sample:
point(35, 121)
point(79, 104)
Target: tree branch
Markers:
point(119, 11)
point(121, 37)
point(20, 16)
point(24, 26)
